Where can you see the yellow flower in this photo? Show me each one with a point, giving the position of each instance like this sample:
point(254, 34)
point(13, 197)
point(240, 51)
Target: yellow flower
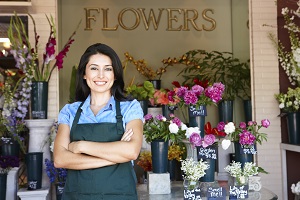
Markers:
point(175, 152)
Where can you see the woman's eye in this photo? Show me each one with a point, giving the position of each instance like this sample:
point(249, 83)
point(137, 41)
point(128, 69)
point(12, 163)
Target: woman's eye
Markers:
point(108, 69)
point(94, 68)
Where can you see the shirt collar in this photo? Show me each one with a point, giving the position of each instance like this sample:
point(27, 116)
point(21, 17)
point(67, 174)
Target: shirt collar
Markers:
point(110, 105)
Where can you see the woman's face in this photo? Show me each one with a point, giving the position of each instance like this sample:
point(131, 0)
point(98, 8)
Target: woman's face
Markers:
point(99, 73)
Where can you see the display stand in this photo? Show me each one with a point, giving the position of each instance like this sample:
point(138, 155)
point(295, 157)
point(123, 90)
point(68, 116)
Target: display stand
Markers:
point(12, 183)
point(40, 194)
point(158, 183)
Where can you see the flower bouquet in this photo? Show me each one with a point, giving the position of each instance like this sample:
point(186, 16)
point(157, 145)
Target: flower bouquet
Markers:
point(295, 188)
point(193, 171)
point(242, 174)
point(246, 134)
point(289, 58)
point(8, 162)
point(160, 128)
point(175, 152)
point(290, 101)
point(145, 161)
point(56, 175)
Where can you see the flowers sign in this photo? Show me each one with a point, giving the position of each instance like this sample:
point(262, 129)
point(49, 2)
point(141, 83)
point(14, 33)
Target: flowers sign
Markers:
point(160, 128)
point(246, 134)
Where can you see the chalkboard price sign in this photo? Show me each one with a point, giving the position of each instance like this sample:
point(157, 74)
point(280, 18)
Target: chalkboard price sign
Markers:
point(201, 111)
point(248, 150)
point(191, 194)
point(238, 192)
point(216, 193)
point(209, 152)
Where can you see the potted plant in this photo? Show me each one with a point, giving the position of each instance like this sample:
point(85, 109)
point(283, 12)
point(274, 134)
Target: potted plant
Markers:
point(27, 56)
point(145, 70)
point(214, 67)
point(245, 138)
point(58, 176)
point(241, 175)
point(141, 92)
point(193, 171)
point(288, 104)
point(295, 188)
point(159, 131)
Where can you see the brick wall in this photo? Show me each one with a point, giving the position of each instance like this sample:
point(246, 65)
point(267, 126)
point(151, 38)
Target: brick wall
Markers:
point(265, 82)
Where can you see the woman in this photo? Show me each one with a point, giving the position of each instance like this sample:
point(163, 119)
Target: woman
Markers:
point(91, 142)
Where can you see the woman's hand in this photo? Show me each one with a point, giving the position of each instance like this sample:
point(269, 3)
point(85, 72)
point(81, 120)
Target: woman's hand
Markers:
point(127, 135)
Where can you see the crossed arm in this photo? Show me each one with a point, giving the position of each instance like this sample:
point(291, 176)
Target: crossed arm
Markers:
point(81, 155)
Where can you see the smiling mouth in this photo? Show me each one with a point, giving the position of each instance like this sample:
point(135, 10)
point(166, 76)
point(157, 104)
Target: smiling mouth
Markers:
point(100, 82)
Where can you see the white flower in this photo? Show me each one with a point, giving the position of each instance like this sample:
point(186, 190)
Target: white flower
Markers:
point(281, 105)
point(296, 188)
point(183, 127)
point(229, 128)
point(52, 146)
point(164, 119)
point(225, 144)
point(173, 128)
point(191, 130)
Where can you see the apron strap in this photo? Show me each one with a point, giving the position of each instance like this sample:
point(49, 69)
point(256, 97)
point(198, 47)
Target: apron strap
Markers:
point(120, 129)
point(76, 119)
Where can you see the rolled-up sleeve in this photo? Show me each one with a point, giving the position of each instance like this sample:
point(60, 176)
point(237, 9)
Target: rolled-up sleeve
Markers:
point(134, 111)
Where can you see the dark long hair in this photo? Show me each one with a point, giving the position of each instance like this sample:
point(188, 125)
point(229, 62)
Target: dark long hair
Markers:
point(82, 89)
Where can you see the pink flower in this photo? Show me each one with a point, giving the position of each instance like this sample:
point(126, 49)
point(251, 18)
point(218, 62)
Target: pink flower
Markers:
point(265, 123)
point(246, 138)
point(159, 117)
point(243, 125)
point(221, 126)
point(181, 91)
point(197, 89)
point(190, 97)
point(148, 117)
point(177, 121)
point(208, 140)
point(195, 139)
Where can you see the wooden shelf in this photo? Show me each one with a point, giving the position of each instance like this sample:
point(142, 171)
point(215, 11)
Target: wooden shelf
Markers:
point(286, 147)
point(15, 3)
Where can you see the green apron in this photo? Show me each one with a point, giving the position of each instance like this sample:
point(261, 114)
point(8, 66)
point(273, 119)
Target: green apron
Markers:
point(116, 182)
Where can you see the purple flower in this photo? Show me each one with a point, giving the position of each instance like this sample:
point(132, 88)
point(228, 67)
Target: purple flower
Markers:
point(181, 91)
point(198, 90)
point(159, 117)
point(148, 117)
point(214, 93)
point(190, 97)
point(221, 126)
point(265, 123)
point(208, 140)
point(177, 121)
point(246, 138)
point(250, 123)
point(243, 125)
point(195, 139)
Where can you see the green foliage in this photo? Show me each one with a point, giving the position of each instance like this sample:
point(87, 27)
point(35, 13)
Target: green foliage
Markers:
point(72, 84)
point(141, 92)
point(217, 66)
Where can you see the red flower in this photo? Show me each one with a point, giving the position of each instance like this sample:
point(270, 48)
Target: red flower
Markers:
point(209, 130)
